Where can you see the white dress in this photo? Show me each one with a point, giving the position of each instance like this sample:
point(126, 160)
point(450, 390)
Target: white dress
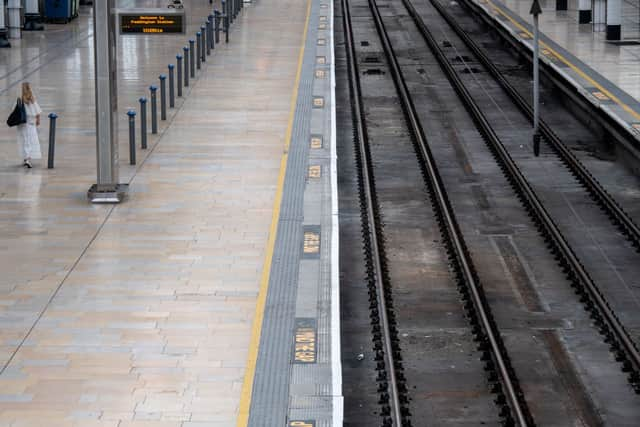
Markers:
point(28, 142)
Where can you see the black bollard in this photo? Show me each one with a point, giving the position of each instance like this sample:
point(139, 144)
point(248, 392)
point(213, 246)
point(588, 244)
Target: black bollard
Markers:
point(226, 25)
point(179, 67)
point(186, 66)
point(154, 109)
point(203, 46)
point(132, 137)
point(216, 24)
point(52, 139)
point(212, 38)
point(192, 59)
point(172, 91)
point(143, 123)
point(163, 97)
point(198, 49)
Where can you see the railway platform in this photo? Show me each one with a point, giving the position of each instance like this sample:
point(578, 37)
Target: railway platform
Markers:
point(605, 74)
point(209, 297)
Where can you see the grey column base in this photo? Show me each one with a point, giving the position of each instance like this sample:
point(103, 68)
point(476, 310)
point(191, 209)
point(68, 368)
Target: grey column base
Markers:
point(584, 16)
point(108, 193)
point(614, 32)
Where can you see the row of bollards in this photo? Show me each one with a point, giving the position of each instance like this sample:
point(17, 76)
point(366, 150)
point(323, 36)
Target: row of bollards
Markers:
point(194, 55)
point(192, 58)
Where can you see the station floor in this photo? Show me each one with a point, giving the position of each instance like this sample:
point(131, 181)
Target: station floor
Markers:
point(141, 314)
point(620, 64)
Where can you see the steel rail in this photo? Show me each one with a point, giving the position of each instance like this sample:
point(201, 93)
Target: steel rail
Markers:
point(368, 187)
point(598, 192)
point(570, 260)
point(515, 401)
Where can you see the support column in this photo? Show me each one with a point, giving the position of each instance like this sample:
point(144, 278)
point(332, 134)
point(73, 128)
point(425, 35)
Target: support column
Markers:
point(614, 19)
point(107, 189)
point(15, 19)
point(32, 16)
point(584, 11)
point(4, 42)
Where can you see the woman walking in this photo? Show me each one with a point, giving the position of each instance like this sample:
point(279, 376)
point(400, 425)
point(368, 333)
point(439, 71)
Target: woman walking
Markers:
point(28, 133)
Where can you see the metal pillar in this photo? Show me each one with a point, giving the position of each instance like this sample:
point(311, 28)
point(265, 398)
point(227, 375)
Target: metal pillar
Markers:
point(536, 10)
point(107, 189)
point(614, 19)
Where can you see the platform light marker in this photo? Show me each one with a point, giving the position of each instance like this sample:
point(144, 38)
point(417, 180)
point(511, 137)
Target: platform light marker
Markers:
point(320, 74)
point(322, 42)
point(318, 102)
point(302, 423)
point(322, 26)
point(323, 18)
point(316, 142)
point(601, 96)
point(315, 171)
point(321, 60)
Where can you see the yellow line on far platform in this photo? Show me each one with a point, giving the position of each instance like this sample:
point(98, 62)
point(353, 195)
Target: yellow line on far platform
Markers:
point(256, 331)
point(575, 68)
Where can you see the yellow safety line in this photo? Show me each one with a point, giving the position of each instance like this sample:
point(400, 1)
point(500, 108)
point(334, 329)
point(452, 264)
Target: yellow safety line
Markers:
point(256, 330)
point(567, 62)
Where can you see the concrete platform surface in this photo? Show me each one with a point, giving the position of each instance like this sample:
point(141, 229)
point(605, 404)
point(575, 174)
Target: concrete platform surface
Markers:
point(141, 314)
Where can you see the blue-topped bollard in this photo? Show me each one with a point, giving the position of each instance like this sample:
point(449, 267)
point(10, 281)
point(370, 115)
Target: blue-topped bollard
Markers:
point(186, 66)
point(192, 59)
point(154, 109)
point(143, 122)
point(163, 97)
point(204, 45)
point(198, 49)
point(172, 91)
point(52, 139)
point(216, 25)
point(179, 79)
point(132, 137)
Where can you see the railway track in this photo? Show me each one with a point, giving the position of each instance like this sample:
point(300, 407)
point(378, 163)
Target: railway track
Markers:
point(509, 396)
point(393, 390)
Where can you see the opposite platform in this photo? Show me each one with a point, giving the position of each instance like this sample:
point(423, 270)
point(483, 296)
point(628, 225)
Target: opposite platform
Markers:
point(610, 89)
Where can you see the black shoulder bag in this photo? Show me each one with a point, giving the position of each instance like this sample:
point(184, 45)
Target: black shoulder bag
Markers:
point(18, 116)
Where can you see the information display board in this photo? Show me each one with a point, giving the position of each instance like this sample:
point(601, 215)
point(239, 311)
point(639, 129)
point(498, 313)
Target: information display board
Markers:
point(151, 21)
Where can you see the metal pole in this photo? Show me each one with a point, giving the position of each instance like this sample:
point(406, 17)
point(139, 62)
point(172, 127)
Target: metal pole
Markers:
point(186, 66)
point(172, 84)
point(154, 109)
point(132, 137)
point(107, 189)
point(536, 10)
point(192, 59)
point(4, 31)
point(52, 139)
point(163, 97)
point(198, 49)
point(179, 67)
point(143, 123)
